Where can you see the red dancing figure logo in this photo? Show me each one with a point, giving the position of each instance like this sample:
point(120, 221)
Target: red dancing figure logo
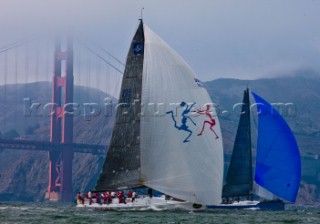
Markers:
point(211, 121)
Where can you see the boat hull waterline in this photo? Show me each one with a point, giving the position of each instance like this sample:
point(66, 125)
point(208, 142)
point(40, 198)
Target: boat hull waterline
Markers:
point(144, 203)
point(254, 205)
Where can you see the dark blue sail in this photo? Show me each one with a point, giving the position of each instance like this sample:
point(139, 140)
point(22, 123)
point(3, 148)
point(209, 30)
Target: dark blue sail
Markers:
point(278, 164)
point(239, 176)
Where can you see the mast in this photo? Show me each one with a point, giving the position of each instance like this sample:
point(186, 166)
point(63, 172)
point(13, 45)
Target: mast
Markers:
point(239, 177)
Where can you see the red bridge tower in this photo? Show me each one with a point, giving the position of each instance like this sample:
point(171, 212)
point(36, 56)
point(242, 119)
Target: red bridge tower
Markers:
point(61, 130)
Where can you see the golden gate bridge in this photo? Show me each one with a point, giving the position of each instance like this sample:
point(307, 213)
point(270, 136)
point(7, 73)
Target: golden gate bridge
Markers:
point(60, 145)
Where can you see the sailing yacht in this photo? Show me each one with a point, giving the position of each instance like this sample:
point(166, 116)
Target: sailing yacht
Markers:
point(166, 135)
point(278, 163)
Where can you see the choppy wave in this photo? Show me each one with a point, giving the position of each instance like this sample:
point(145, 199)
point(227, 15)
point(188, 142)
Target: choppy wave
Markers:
point(68, 213)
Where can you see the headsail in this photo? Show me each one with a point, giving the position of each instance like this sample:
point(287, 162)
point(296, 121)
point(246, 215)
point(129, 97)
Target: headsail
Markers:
point(239, 176)
point(181, 152)
point(278, 164)
point(121, 168)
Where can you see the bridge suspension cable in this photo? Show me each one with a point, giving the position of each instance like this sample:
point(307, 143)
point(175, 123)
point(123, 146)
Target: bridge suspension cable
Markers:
point(101, 57)
point(16, 44)
point(107, 52)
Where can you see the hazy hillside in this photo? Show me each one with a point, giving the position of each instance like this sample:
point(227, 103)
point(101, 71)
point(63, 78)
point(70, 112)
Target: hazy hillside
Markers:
point(23, 174)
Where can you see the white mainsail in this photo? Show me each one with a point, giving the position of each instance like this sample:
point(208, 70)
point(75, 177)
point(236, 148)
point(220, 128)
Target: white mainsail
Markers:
point(188, 169)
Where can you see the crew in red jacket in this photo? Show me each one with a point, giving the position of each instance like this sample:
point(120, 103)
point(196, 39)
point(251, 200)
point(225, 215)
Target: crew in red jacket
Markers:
point(80, 199)
point(120, 197)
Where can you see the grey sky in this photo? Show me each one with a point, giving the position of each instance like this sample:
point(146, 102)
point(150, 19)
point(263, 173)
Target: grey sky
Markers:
point(218, 38)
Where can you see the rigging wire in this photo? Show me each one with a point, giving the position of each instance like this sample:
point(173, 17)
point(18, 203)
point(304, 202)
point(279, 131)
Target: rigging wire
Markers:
point(99, 56)
point(26, 74)
point(88, 78)
point(5, 89)
point(78, 62)
point(37, 64)
point(108, 83)
point(105, 51)
point(98, 81)
point(117, 89)
point(16, 86)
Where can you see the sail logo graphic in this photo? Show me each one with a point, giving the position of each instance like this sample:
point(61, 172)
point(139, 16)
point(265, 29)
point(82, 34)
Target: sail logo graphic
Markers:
point(186, 118)
point(211, 122)
point(137, 48)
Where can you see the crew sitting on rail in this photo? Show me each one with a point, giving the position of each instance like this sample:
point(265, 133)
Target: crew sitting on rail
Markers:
point(104, 197)
point(121, 197)
point(97, 196)
point(89, 196)
point(133, 198)
point(80, 199)
point(109, 198)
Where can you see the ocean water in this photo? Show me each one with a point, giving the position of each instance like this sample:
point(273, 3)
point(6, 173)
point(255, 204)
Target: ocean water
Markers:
point(68, 213)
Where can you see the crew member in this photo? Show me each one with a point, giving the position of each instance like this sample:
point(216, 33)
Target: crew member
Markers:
point(90, 197)
point(80, 199)
point(133, 198)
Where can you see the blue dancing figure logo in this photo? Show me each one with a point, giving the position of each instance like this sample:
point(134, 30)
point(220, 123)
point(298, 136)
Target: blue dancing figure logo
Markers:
point(185, 118)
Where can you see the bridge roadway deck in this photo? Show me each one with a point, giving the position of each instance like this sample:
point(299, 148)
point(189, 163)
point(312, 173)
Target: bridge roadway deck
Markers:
point(49, 146)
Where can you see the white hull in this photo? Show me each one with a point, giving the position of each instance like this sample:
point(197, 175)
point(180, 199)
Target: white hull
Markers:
point(242, 203)
point(254, 205)
point(238, 205)
point(143, 203)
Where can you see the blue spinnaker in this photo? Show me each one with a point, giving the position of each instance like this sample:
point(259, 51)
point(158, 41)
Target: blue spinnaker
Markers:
point(278, 163)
